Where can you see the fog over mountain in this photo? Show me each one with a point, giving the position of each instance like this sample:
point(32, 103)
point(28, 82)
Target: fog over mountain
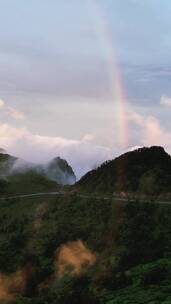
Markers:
point(57, 169)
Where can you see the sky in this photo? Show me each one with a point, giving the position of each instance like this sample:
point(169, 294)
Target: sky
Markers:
point(84, 79)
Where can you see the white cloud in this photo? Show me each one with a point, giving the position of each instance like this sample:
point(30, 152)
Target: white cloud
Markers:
point(88, 152)
point(10, 135)
point(81, 154)
point(10, 111)
point(136, 118)
point(18, 115)
point(150, 131)
point(154, 134)
point(2, 103)
point(165, 101)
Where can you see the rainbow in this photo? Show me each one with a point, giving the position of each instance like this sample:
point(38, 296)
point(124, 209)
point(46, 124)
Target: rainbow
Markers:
point(113, 71)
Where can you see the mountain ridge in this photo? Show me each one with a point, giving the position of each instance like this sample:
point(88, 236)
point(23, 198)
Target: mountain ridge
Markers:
point(144, 170)
point(18, 176)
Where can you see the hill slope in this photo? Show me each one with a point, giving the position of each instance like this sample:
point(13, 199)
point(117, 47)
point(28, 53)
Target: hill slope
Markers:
point(18, 176)
point(131, 243)
point(145, 170)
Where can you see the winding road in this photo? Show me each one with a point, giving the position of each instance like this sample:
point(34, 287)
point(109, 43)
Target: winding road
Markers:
point(31, 195)
point(60, 193)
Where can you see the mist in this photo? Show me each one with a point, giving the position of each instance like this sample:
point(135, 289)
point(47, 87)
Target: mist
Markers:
point(82, 154)
point(57, 169)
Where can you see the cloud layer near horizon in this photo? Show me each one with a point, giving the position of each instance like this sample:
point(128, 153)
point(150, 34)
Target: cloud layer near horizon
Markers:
point(82, 155)
point(91, 150)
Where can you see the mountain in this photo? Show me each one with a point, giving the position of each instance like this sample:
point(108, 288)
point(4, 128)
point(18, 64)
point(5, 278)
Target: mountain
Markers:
point(142, 171)
point(79, 249)
point(18, 176)
point(59, 171)
point(6, 163)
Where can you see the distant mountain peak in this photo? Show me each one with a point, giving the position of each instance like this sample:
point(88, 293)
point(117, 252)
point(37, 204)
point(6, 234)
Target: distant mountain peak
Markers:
point(59, 170)
point(2, 151)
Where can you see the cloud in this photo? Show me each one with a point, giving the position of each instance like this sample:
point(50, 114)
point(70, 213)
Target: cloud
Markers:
point(89, 151)
point(18, 115)
point(81, 154)
point(2, 103)
point(154, 134)
point(149, 131)
point(165, 101)
point(136, 118)
point(10, 111)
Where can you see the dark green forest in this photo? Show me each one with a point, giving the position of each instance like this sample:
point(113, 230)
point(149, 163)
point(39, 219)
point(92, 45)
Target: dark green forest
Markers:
point(145, 171)
point(88, 244)
point(131, 242)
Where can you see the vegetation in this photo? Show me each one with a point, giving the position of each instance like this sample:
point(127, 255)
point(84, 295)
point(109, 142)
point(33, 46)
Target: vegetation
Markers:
point(19, 177)
point(146, 171)
point(29, 182)
point(77, 249)
point(6, 162)
point(132, 243)
point(60, 171)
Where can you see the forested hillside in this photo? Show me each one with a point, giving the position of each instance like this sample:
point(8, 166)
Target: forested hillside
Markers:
point(143, 171)
point(77, 248)
point(71, 250)
point(20, 177)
